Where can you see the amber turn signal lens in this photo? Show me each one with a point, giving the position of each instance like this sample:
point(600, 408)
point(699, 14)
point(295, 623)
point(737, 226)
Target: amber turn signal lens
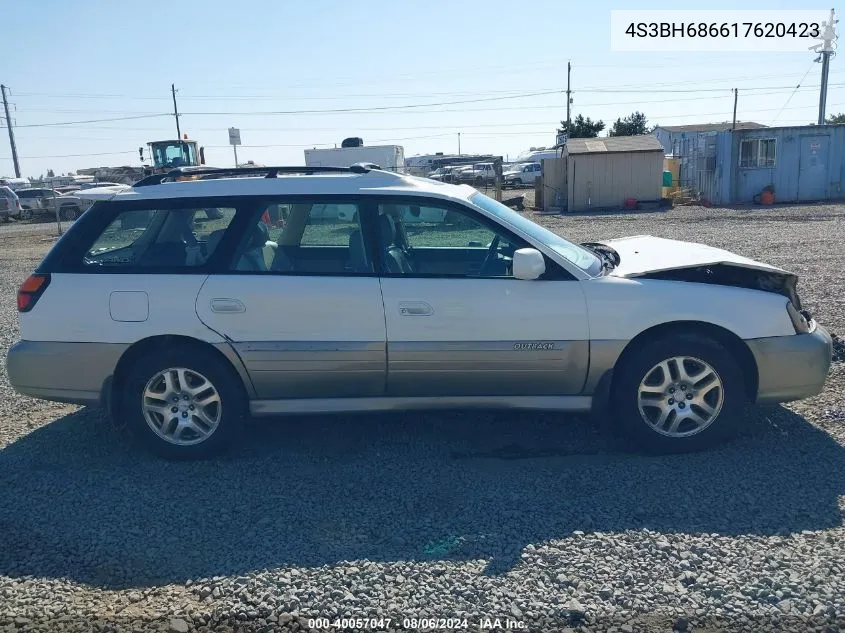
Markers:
point(31, 290)
point(33, 283)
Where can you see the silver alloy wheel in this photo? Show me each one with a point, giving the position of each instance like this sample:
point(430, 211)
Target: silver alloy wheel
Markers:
point(181, 406)
point(680, 396)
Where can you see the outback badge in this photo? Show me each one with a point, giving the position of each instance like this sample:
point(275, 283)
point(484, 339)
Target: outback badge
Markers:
point(523, 347)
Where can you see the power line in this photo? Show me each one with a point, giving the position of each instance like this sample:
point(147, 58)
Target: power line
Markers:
point(378, 108)
point(122, 118)
point(792, 94)
point(421, 106)
point(78, 155)
point(450, 126)
point(690, 90)
point(289, 97)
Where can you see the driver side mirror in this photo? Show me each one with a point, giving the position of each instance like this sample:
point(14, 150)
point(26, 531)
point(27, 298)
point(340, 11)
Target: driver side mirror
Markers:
point(528, 264)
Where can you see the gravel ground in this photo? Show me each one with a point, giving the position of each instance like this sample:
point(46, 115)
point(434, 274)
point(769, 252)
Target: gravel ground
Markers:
point(541, 520)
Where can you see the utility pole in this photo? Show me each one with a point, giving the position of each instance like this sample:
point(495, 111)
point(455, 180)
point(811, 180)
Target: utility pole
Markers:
point(459, 143)
point(736, 96)
point(11, 134)
point(823, 92)
point(176, 112)
point(825, 51)
point(568, 96)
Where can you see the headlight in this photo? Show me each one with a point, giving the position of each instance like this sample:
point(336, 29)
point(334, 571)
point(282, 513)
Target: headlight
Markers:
point(802, 320)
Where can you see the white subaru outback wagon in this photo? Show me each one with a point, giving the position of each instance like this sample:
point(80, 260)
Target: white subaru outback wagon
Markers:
point(194, 299)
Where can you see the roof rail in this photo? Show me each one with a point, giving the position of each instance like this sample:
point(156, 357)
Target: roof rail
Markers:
point(206, 173)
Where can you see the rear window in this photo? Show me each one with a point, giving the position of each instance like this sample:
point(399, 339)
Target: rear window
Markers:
point(156, 238)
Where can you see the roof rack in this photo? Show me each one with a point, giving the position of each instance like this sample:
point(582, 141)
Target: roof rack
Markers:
point(207, 173)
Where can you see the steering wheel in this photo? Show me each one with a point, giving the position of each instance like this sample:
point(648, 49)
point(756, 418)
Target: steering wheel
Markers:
point(491, 257)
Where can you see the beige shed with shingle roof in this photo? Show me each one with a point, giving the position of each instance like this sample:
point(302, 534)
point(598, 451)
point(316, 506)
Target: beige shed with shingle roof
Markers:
point(602, 172)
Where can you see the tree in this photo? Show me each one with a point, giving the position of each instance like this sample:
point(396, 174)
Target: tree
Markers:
point(50, 174)
point(836, 118)
point(633, 125)
point(581, 127)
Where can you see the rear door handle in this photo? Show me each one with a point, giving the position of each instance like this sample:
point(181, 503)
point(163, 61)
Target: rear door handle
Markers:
point(227, 305)
point(415, 308)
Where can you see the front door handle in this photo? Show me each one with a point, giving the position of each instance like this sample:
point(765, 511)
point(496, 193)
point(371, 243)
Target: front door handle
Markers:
point(227, 305)
point(415, 308)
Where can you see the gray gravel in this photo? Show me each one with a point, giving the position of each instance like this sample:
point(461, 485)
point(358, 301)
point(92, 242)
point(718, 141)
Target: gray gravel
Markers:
point(537, 519)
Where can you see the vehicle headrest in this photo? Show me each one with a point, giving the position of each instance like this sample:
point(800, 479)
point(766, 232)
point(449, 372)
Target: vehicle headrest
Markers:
point(259, 236)
point(387, 227)
point(213, 240)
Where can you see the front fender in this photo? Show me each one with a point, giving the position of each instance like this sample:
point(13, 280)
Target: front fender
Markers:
point(619, 308)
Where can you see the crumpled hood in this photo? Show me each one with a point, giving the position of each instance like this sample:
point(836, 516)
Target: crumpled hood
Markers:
point(644, 254)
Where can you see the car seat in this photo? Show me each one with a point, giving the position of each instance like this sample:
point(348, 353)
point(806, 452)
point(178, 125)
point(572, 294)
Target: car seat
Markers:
point(395, 258)
point(357, 255)
point(252, 258)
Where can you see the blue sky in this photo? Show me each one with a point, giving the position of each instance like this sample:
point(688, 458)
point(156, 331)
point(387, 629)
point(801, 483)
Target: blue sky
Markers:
point(96, 59)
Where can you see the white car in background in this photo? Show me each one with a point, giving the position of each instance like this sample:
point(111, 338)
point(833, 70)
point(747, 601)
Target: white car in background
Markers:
point(188, 321)
point(10, 205)
point(520, 174)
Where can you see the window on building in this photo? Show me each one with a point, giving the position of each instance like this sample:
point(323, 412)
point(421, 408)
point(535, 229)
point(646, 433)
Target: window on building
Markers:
point(757, 152)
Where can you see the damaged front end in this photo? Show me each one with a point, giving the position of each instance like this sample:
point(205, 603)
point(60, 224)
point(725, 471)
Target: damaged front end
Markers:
point(725, 274)
point(732, 275)
point(649, 257)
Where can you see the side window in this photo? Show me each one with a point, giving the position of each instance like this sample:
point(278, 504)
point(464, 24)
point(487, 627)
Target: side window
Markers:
point(158, 238)
point(305, 238)
point(443, 241)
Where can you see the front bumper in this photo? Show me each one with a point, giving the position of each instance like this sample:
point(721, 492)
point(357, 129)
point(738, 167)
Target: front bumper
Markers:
point(791, 367)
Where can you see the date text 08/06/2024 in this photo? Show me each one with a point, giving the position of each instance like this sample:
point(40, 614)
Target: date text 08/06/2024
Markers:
point(418, 624)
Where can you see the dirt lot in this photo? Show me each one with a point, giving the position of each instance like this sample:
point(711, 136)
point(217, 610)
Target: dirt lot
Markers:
point(541, 519)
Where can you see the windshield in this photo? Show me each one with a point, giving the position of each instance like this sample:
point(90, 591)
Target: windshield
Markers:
point(578, 255)
point(173, 154)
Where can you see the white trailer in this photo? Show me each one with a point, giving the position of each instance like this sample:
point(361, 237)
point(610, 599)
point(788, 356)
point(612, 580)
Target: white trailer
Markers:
point(15, 183)
point(390, 157)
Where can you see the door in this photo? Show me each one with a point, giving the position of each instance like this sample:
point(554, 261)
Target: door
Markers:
point(458, 323)
point(812, 168)
point(302, 305)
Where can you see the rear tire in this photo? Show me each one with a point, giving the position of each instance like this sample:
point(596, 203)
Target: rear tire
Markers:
point(183, 402)
point(679, 393)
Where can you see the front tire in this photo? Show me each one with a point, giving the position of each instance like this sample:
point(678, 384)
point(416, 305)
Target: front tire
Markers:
point(69, 213)
point(183, 402)
point(680, 393)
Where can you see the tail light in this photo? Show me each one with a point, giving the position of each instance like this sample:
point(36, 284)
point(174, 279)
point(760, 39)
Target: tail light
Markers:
point(30, 291)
